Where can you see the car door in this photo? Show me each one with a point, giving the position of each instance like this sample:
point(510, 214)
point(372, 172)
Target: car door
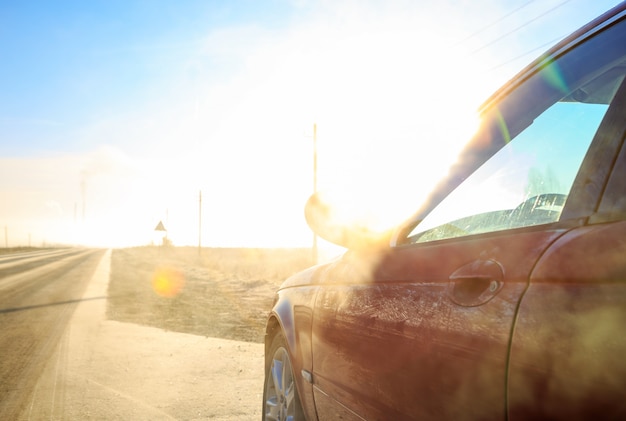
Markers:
point(423, 339)
point(568, 349)
point(422, 330)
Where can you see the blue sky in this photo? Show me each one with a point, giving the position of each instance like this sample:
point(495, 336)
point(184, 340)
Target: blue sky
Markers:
point(129, 108)
point(72, 62)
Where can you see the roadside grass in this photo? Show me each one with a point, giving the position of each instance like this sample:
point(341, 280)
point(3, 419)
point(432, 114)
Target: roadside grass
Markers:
point(220, 292)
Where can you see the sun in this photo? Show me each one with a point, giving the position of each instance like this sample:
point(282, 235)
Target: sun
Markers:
point(394, 108)
point(390, 124)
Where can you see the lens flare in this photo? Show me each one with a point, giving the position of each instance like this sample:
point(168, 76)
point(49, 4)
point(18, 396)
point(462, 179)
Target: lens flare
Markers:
point(554, 76)
point(167, 282)
point(506, 135)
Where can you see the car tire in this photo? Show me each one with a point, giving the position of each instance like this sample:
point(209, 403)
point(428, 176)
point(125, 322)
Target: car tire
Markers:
point(281, 401)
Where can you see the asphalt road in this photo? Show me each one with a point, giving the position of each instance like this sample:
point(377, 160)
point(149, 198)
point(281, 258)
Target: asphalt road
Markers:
point(39, 292)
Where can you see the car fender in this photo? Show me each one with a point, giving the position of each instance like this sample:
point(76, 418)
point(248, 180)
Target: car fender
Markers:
point(292, 316)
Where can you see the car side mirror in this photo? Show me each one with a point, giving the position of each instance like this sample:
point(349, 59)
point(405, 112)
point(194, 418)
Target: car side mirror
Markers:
point(327, 222)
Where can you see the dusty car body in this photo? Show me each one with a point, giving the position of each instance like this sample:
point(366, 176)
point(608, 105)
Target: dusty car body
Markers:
point(504, 297)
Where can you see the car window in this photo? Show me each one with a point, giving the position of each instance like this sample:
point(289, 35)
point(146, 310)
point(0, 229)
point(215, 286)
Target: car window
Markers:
point(528, 180)
point(525, 183)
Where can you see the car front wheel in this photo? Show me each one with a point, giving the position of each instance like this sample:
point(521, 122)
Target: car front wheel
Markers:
point(280, 396)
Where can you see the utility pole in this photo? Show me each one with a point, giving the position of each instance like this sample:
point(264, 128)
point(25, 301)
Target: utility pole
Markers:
point(200, 223)
point(314, 250)
point(83, 189)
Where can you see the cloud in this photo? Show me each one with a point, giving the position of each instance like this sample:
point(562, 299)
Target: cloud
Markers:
point(107, 160)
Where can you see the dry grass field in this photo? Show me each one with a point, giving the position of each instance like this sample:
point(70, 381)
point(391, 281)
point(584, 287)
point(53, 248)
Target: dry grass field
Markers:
point(220, 292)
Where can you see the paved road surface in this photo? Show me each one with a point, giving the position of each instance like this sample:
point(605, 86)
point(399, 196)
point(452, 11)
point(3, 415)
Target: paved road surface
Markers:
point(38, 294)
point(91, 368)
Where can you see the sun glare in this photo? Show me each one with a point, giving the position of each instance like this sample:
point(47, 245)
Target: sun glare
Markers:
point(392, 107)
point(393, 104)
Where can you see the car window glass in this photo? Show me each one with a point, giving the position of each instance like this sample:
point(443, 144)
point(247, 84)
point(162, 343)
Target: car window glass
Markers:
point(525, 183)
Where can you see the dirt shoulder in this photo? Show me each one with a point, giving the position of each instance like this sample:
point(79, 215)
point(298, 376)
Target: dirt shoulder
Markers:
point(107, 369)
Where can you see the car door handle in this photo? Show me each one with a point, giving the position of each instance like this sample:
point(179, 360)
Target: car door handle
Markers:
point(475, 283)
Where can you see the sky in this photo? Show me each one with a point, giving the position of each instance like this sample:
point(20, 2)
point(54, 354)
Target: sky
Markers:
point(117, 115)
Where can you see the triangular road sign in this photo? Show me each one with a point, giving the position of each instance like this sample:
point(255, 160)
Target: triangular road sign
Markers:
point(160, 227)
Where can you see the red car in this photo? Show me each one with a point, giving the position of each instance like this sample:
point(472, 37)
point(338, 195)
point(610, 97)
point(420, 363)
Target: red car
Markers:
point(504, 298)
